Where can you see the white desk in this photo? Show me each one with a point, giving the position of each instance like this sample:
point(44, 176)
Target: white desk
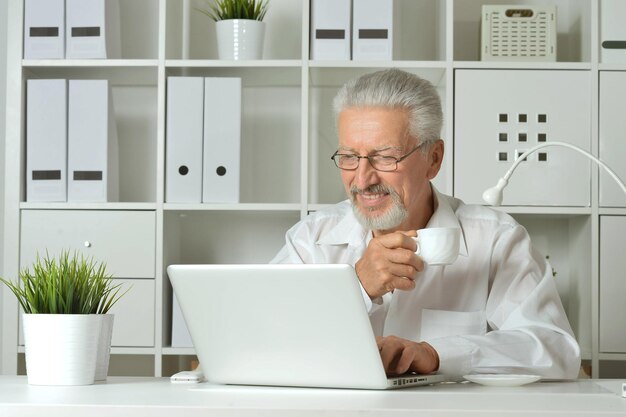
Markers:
point(158, 397)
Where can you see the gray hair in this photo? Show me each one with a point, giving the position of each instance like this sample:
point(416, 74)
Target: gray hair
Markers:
point(393, 88)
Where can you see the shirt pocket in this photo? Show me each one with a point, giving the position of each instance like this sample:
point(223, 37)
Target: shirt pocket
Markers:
point(442, 323)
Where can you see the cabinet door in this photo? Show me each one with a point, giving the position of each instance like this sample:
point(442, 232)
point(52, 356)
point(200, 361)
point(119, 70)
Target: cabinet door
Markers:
point(612, 284)
point(124, 240)
point(612, 143)
point(499, 114)
point(133, 325)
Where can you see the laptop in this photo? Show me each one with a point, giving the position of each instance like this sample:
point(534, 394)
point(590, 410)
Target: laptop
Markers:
point(283, 325)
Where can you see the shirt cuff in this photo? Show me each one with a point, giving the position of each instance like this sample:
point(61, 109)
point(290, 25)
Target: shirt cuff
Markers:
point(455, 355)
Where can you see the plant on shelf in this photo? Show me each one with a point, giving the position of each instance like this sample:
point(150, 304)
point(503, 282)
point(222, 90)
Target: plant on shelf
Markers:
point(236, 9)
point(240, 27)
point(68, 285)
point(67, 331)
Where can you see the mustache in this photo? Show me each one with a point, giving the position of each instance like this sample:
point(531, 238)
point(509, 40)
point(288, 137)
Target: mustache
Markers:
point(374, 189)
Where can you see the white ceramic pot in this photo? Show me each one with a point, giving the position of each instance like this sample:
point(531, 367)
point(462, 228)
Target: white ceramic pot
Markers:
point(61, 348)
point(104, 347)
point(240, 39)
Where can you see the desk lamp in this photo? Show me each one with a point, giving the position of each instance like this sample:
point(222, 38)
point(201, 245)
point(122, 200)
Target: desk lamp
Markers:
point(493, 195)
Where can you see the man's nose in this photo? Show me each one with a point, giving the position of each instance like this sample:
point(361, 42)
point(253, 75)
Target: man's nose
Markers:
point(365, 175)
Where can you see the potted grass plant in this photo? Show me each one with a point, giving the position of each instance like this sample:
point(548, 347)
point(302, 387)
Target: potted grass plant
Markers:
point(239, 26)
point(67, 328)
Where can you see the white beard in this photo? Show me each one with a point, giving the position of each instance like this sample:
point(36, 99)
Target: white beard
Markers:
point(391, 218)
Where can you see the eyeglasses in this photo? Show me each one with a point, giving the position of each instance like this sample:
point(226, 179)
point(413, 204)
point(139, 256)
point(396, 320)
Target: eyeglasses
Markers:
point(350, 162)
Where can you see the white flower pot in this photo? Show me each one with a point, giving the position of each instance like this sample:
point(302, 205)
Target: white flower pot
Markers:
point(104, 347)
point(240, 39)
point(61, 348)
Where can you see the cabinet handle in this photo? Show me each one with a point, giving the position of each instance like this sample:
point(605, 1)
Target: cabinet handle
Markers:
point(87, 244)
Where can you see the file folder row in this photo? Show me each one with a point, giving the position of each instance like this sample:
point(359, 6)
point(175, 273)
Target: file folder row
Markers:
point(203, 136)
point(74, 29)
point(364, 27)
point(70, 129)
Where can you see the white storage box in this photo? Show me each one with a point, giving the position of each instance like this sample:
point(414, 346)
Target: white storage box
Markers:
point(518, 33)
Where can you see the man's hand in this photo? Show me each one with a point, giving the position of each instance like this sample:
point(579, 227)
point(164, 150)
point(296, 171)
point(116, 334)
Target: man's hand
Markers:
point(389, 263)
point(400, 356)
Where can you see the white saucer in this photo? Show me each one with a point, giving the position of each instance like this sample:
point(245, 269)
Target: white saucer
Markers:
point(504, 380)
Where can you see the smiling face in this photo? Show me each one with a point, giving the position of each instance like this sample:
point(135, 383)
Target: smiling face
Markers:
point(387, 201)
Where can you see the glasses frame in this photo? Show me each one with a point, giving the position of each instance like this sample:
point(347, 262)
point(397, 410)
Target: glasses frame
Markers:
point(369, 159)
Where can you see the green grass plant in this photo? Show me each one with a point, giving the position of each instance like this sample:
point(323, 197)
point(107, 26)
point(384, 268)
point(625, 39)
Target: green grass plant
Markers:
point(235, 9)
point(67, 285)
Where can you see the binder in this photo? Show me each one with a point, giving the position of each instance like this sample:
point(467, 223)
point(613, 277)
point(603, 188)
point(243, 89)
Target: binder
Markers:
point(613, 31)
point(46, 140)
point(330, 29)
point(93, 29)
point(92, 143)
point(180, 332)
point(184, 123)
point(44, 29)
point(222, 137)
point(372, 26)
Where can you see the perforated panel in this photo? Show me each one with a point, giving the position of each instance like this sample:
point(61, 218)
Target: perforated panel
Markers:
point(499, 114)
point(525, 33)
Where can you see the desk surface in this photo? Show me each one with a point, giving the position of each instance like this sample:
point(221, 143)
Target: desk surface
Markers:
point(158, 397)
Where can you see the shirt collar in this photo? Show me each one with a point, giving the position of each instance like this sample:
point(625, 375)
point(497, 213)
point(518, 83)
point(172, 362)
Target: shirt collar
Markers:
point(347, 232)
point(350, 232)
point(444, 216)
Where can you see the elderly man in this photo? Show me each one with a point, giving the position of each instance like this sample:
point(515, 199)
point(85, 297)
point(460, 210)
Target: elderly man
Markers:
point(494, 310)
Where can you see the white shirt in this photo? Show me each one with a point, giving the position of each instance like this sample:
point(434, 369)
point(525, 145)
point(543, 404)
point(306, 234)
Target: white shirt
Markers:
point(494, 310)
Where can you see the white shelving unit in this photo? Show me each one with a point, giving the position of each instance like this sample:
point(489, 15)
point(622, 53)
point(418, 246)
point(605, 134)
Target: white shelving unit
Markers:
point(288, 136)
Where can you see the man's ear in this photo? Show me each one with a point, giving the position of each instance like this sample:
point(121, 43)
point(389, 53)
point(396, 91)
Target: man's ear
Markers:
point(435, 157)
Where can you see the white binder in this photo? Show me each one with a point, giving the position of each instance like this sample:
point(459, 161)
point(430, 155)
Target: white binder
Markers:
point(330, 30)
point(92, 143)
point(183, 158)
point(613, 31)
point(46, 140)
point(93, 29)
point(372, 30)
point(222, 137)
point(44, 29)
point(180, 332)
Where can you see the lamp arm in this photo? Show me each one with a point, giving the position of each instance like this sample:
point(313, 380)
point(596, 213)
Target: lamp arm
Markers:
point(566, 145)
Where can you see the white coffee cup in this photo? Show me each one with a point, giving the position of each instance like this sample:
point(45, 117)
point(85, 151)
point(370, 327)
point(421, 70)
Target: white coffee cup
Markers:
point(438, 245)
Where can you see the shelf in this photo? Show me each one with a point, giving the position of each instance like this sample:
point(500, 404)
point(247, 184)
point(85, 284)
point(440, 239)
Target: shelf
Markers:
point(87, 206)
point(132, 351)
point(218, 63)
point(521, 65)
point(612, 66)
point(178, 351)
point(90, 63)
point(115, 350)
point(612, 356)
point(232, 207)
point(118, 75)
point(612, 211)
point(378, 64)
point(549, 211)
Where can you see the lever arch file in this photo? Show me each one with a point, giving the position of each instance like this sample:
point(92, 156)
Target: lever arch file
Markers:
point(330, 30)
point(222, 136)
point(613, 31)
point(92, 143)
point(185, 119)
point(372, 30)
point(44, 29)
point(180, 333)
point(46, 140)
point(93, 29)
